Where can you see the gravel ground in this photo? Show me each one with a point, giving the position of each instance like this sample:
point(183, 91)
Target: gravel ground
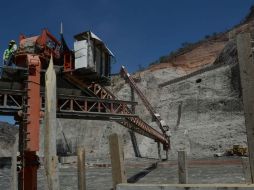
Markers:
point(222, 170)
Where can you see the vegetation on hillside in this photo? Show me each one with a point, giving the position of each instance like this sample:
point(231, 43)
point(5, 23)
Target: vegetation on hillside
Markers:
point(188, 46)
point(249, 16)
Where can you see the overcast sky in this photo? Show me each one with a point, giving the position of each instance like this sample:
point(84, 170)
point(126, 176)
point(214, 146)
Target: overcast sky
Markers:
point(137, 31)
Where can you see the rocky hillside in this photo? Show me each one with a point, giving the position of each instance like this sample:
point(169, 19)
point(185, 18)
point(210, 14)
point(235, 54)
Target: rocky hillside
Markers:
point(193, 56)
point(7, 138)
point(197, 92)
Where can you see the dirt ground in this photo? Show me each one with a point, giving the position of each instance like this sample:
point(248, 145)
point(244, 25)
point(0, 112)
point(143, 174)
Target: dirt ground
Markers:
point(210, 170)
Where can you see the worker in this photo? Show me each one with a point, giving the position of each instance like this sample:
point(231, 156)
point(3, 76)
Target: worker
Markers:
point(9, 53)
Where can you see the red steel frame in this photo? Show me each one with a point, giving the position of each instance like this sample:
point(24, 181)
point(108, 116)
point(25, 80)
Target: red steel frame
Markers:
point(135, 123)
point(29, 118)
point(102, 101)
point(29, 131)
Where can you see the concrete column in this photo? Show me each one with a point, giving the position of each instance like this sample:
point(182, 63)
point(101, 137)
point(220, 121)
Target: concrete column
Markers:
point(245, 57)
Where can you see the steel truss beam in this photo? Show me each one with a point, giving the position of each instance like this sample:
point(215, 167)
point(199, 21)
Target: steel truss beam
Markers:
point(70, 106)
point(134, 123)
point(82, 107)
point(100, 105)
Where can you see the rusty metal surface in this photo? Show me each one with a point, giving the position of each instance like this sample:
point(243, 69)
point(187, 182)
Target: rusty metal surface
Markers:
point(78, 101)
point(101, 105)
point(29, 125)
point(33, 104)
point(69, 106)
point(156, 116)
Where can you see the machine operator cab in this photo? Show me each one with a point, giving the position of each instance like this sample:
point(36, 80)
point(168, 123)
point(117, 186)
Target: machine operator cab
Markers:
point(92, 58)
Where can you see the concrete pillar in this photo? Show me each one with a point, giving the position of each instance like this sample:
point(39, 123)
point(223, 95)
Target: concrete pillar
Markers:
point(245, 57)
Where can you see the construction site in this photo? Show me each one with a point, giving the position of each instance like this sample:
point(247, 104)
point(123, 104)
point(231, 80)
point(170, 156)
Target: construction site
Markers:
point(184, 122)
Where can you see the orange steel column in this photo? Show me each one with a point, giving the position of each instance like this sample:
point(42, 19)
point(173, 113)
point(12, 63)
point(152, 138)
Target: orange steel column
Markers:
point(31, 126)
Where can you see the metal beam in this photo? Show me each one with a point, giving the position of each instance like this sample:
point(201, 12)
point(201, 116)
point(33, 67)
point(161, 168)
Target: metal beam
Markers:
point(101, 105)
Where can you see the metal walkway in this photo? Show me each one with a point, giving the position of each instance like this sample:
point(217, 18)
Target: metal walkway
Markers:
point(92, 102)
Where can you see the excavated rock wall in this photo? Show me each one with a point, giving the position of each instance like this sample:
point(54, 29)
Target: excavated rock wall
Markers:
point(204, 112)
point(7, 138)
point(197, 93)
point(203, 109)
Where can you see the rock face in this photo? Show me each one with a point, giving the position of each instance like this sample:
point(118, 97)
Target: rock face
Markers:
point(197, 92)
point(7, 138)
point(204, 111)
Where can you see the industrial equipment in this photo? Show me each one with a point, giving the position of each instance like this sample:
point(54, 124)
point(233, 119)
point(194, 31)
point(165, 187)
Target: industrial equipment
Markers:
point(156, 116)
point(237, 150)
point(82, 77)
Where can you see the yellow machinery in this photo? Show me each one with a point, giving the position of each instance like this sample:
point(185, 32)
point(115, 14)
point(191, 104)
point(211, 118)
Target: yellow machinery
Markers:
point(237, 150)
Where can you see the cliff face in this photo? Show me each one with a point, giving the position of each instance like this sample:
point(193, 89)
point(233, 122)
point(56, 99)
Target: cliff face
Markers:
point(202, 108)
point(201, 103)
point(7, 138)
point(204, 111)
point(196, 91)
